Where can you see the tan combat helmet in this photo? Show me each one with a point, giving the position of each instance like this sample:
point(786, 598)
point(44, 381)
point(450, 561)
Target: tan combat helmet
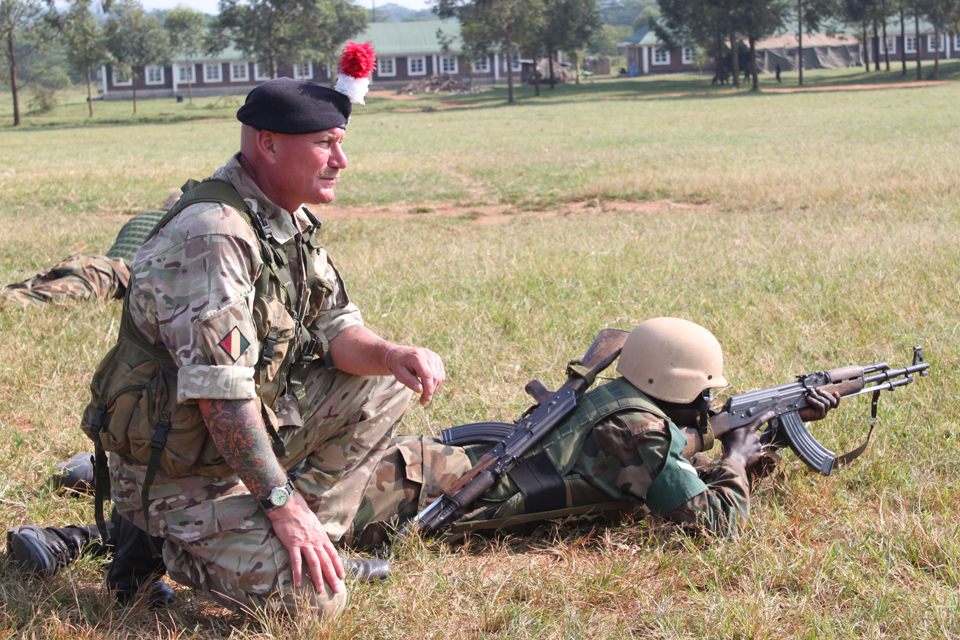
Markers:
point(672, 360)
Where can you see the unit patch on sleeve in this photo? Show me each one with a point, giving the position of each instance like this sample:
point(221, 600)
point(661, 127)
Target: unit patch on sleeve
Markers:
point(234, 343)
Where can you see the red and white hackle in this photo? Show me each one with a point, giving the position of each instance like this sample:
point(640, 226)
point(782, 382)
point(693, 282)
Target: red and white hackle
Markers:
point(357, 62)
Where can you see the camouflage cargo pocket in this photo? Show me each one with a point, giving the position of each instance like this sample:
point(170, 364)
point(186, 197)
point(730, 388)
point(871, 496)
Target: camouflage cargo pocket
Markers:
point(211, 517)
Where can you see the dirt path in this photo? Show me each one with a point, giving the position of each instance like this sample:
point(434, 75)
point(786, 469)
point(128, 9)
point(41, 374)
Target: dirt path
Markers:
point(500, 214)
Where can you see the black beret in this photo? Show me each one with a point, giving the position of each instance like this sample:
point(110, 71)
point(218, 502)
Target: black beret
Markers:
point(285, 105)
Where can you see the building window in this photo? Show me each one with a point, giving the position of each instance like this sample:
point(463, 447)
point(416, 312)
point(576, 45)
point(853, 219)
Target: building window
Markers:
point(661, 56)
point(122, 77)
point(448, 64)
point(387, 67)
point(153, 74)
point(956, 42)
point(416, 66)
point(516, 63)
point(932, 43)
point(891, 46)
point(239, 72)
point(687, 55)
point(482, 65)
point(910, 46)
point(303, 71)
point(261, 71)
point(211, 72)
point(186, 74)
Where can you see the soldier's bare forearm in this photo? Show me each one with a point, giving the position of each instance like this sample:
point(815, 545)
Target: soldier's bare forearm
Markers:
point(237, 429)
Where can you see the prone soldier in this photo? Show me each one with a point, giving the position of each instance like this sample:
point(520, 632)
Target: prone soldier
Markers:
point(103, 277)
point(631, 443)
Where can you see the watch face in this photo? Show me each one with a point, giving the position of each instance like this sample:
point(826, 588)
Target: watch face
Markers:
point(279, 497)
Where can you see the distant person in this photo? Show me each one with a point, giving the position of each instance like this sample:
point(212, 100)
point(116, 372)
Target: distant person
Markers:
point(778, 72)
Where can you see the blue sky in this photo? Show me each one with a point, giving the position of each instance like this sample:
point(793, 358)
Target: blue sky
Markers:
point(210, 6)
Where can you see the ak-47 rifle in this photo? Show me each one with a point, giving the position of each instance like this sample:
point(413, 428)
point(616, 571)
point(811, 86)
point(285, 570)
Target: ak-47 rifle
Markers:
point(512, 441)
point(786, 400)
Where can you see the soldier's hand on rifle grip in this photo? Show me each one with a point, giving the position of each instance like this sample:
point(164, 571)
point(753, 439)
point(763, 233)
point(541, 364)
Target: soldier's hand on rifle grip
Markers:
point(820, 403)
point(743, 445)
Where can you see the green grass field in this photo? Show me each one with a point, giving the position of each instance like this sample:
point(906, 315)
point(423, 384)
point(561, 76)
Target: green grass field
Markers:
point(826, 232)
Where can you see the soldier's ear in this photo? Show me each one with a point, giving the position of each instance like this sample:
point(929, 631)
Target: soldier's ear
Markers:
point(267, 146)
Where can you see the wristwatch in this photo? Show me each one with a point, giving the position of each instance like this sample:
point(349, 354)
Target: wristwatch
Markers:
point(278, 496)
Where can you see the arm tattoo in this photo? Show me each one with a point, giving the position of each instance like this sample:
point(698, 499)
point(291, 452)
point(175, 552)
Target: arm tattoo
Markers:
point(236, 427)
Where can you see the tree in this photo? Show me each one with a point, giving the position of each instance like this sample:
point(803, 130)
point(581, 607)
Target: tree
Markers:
point(287, 31)
point(85, 42)
point(135, 39)
point(606, 39)
point(27, 31)
point(185, 27)
point(811, 14)
point(496, 25)
point(942, 14)
point(567, 26)
point(623, 12)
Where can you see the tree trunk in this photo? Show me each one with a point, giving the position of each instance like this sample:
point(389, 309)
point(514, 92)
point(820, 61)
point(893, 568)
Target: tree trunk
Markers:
point(886, 47)
point(866, 48)
point(753, 64)
point(718, 59)
point(14, 89)
point(875, 49)
point(536, 75)
point(89, 94)
point(134, 78)
point(553, 80)
point(800, 41)
point(936, 53)
point(576, 59)
point(903, 41)
point(916, 30)
point(510, 95)
point(735, 60)
point(190, 83)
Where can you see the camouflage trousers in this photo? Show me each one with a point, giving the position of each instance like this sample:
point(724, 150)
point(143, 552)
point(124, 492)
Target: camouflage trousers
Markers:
point(415, 470)
point(220, 542)
point(76, 277)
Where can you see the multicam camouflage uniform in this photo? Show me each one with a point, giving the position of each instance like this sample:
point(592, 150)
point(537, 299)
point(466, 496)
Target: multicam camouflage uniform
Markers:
point(192, 292)
point(630, 455)
point(97, 277)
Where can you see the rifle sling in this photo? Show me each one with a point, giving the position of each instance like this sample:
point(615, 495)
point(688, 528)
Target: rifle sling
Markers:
point(849, 457)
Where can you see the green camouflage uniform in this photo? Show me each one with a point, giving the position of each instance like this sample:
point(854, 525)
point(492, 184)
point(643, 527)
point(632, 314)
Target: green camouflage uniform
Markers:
point(99, 276)
point(630, 455)
point(192, 292)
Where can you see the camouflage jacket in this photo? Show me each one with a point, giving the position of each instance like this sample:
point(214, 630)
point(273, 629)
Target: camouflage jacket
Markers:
point(634, 454)
point(192, 292)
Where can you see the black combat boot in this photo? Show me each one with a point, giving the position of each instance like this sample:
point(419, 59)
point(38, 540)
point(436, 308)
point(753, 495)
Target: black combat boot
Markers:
point(367, 569)
point(135, 570)
point(45, 550)
point(76, 473)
